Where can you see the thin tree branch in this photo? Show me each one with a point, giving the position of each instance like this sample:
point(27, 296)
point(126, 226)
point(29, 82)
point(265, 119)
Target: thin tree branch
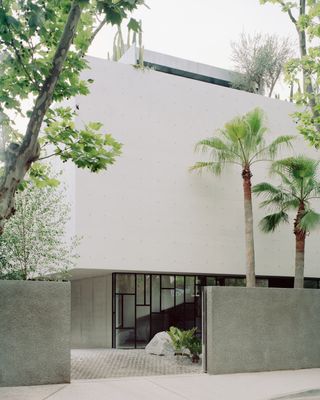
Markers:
point(49, 156)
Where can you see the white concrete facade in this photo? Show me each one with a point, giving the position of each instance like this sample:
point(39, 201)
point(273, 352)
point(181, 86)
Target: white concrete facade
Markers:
point(148, 212)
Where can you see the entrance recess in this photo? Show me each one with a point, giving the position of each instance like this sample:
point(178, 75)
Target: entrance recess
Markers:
point(145, 304)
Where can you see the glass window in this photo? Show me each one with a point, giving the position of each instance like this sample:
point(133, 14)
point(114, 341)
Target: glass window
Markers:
point(125, 283)
point(311, 283)
point(235, 282)
point(143, 325)
point(147, 288)
point(179, 282)
point(190, 289)
point(211, 281)
point(262, 282)
point(118, 304)
point(167, 281)
point(155, 293)
point(140, 289)
point(125, 339)
point(167, 299)
point(128, 311)
point(179, 296)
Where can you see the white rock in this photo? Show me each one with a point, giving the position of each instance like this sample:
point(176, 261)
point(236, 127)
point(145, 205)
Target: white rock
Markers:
point(160, 345)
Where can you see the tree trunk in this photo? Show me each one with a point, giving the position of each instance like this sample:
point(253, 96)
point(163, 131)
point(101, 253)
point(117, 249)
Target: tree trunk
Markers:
point(300, 247)
point(20, 157)
point(307, 83)
point(249, 239)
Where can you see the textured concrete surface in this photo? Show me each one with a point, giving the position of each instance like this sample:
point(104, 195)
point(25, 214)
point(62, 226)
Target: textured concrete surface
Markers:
point(34, 333)
point(109, 363)
point(91, 312)
point(252, 386)
point(262, 329)
point(159, 217)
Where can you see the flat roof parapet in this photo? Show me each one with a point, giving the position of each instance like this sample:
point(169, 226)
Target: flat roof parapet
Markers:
point(180, 67)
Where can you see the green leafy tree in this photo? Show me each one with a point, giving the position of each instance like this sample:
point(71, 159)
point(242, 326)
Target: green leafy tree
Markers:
point(260, 59)
point(42, 48)
point(304, 14)
point(241, 142)
point(33, 244)
point(299, 186)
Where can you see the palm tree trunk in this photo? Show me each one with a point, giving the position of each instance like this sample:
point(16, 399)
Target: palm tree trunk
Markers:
point(248, 217)
point(300, 247)
point(299, 264)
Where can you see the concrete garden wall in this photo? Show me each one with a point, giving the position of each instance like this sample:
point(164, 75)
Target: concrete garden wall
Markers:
point(261, 329)
point(34, 333)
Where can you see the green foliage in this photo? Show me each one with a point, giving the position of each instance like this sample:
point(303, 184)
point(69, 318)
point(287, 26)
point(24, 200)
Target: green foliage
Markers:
point(260, 59)
point(307, 65)
point(86, 147)
point(33, 244)
point(185, 339)
point(120, 46)
point(30, 32)
point(299, 185)
point(240, 142)
point(177, 338)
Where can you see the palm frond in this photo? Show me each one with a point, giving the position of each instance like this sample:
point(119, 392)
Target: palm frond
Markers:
point(255, 120)
point(310, 220)
point(266, 189)
point(280, 142)
point(298, 168)
point(213, 167)
point(270, 222)
point(236, 129)
point(211, 143)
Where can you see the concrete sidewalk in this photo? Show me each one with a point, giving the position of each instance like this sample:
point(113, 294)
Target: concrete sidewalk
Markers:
point(253, 386)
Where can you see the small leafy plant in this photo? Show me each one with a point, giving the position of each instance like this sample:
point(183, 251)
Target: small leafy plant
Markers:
point(183, 340)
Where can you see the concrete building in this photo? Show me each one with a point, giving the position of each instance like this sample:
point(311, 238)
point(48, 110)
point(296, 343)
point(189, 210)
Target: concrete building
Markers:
point(154, 233)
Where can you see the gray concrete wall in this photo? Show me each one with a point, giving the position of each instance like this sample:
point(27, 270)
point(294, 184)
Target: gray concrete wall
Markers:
point(34, 333)
point(91, 312)
point(262, 329)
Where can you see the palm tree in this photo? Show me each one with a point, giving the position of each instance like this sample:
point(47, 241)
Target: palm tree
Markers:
point(241, 142)
point(299, 185)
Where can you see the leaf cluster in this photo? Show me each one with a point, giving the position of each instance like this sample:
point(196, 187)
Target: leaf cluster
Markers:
point(185, 339)
point(87, 147)
point(240, 142)
point(300, 183)
point(33, 244)
point(30, 31)
point(307, 65)
point(260, 59)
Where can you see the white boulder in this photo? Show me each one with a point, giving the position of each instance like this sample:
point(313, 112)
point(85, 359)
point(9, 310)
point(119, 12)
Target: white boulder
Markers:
point(160, 345)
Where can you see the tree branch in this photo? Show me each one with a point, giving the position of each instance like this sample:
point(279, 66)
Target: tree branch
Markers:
point(19, 160)
point(97, 30)
point(44, 99)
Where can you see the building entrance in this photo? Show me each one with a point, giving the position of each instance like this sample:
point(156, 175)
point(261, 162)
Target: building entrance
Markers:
point(144, 304)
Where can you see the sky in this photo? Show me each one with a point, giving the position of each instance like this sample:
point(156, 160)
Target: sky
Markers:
point(201, 30)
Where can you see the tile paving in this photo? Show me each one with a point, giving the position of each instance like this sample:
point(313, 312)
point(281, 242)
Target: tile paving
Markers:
point(113, 363)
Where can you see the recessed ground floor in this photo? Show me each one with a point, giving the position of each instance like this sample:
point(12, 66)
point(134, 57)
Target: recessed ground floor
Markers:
point(125, 310)
point(114, 363)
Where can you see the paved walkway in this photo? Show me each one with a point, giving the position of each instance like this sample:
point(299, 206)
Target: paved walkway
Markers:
point(112, 363)
point(254, 386)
